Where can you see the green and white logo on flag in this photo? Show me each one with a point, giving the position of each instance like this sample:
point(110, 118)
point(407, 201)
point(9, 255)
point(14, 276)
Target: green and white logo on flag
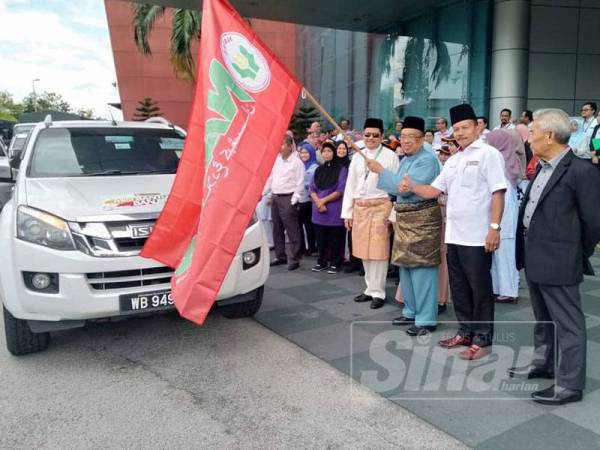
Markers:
point(245, 62)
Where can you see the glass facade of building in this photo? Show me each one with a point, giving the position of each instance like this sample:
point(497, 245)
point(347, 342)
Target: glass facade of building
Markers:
point(422, 67)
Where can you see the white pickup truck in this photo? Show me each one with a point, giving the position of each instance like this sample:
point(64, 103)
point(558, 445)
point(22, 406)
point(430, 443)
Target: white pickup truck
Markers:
point(86, 197)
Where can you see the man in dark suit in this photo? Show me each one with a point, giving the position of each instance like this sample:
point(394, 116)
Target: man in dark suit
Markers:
point(558, 229)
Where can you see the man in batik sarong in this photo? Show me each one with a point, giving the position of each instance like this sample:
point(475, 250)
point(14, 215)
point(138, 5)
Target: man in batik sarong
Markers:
point(417, 229)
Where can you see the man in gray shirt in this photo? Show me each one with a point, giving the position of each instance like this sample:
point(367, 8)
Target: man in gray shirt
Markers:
point(539, 183)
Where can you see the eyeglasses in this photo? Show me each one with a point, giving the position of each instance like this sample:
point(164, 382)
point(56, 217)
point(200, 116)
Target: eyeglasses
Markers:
point(373, 135)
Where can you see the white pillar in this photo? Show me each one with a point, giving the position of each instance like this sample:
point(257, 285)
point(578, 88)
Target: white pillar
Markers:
point(510, 58)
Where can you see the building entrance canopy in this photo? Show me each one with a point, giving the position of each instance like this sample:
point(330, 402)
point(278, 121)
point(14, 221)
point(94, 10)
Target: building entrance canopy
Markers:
point(374, 16)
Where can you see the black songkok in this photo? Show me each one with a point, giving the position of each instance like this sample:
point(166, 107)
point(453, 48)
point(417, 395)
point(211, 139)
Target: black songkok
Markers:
point(374, 123)
point(462, 112)
point(415, 123)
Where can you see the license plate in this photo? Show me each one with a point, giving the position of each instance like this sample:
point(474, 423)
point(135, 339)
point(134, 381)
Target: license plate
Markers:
point(140, 231)
point(147, 301)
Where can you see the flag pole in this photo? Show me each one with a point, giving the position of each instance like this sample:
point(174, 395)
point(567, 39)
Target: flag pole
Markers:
point(331, 120)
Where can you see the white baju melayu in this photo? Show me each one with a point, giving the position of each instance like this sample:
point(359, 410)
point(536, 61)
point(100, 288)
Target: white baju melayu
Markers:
point(361, 184)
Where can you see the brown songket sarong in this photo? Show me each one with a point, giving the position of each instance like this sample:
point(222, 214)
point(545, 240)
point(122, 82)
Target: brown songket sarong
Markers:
point(370, 233)
point(417, 234)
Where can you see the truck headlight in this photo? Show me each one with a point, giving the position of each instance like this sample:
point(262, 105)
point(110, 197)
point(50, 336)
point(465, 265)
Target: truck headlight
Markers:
point(41, 228)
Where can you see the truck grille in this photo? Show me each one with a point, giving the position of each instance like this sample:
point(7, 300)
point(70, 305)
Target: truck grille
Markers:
point(101, 281)
point(130, 244)
point(115, 238)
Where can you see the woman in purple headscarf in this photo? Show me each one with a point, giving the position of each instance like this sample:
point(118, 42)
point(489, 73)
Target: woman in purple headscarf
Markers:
point(505, 277)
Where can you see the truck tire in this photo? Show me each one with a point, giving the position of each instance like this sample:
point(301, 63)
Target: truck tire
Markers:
point(20, 340)
point(244, 309)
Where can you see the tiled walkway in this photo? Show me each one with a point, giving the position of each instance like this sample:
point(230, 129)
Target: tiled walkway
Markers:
point(475, 402)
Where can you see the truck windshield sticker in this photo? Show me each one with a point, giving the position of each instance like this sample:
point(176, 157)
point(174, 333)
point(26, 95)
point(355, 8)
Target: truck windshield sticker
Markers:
point(134, 200)
point(118, 139)
point(171, 143)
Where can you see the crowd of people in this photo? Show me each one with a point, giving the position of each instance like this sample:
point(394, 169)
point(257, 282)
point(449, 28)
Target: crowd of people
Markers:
point(459, 211)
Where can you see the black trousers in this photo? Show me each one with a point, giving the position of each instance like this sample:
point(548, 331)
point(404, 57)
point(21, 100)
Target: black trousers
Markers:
point(307, 230)
point(285, 219)
point(471, 288)
point(330, 241)
point(560, 305)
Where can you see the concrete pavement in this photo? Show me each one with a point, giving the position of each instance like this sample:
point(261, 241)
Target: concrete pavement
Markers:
point(162, 382)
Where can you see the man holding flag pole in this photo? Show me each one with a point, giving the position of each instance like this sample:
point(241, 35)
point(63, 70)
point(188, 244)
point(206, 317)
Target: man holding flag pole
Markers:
point(366, 210)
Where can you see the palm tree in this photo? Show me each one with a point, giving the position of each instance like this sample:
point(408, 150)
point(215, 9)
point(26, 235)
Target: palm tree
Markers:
point(146, 108)
point(301, 120)
point(185, 30)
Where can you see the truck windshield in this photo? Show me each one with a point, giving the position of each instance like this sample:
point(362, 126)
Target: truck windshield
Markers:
point(83, 152)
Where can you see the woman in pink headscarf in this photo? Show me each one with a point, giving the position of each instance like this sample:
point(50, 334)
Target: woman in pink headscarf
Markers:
point(505, 277)
point(523, 131)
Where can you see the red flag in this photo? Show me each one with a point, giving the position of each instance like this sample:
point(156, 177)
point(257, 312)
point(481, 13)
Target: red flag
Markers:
point(243, 102)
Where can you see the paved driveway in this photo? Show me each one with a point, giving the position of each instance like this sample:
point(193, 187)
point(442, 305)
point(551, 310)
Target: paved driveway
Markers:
point(162, 382)
point(475, 402)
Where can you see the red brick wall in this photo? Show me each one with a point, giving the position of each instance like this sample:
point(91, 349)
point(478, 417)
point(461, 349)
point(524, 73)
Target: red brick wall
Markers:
point(140, 76)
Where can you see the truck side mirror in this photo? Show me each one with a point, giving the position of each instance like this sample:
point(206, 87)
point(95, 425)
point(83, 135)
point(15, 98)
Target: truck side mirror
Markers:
point(15, 160)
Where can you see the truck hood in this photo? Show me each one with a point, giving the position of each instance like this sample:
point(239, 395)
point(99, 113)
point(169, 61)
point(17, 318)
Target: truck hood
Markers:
point(83, 198)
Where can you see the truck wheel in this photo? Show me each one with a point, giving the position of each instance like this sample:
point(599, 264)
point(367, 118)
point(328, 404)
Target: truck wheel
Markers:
point(244, 309)
point(19, 338)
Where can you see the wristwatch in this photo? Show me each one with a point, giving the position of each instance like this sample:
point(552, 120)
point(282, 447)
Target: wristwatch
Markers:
point(495, 226)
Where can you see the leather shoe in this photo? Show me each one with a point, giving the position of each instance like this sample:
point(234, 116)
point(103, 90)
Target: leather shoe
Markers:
point(293, 266)
point(475, 352)
point(363, 298)
point(377, 303)
point(420, 331)
point(556, 395)
point(403, 321)
point(506, 299)
point(278, 262)
point(455, 341)
point(442, 308)
point(529, 371)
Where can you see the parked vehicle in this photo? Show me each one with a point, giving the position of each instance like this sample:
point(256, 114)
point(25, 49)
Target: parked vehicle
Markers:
point(85, 200)
point(6, 185)
point(4, 167)
point(21, 132)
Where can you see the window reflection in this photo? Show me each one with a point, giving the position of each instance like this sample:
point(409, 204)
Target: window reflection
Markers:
point(425, 66)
